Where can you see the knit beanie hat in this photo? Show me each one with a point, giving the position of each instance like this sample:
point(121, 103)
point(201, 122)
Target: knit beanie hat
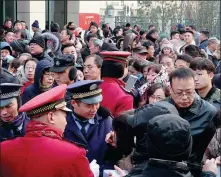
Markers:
point(38, 40)
point(18, 46)
point(93, 24)
point(167, 45)
point(35, 24)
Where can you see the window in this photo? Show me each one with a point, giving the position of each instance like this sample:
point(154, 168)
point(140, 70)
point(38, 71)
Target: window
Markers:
point(8, 9)
point(56, 11)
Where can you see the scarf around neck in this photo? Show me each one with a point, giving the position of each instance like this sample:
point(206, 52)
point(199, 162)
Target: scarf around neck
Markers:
point(39, 129)
point(16, 122)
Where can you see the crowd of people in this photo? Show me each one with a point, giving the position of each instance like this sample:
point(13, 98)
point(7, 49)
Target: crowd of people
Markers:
point(65, 110)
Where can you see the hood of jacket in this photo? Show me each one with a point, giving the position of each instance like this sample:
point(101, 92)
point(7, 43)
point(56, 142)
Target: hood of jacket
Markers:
point(41, 66)
point(54, 46)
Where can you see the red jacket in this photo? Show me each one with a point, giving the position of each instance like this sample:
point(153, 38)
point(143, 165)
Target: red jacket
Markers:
point(42, 153)
point(115, 98)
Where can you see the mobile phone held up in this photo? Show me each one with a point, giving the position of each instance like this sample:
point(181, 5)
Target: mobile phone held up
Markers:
point(131, 82)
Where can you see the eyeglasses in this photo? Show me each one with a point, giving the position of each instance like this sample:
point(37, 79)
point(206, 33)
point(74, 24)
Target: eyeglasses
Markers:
point(49, 74)
point(28, 68)
point(157, 98)
point(180, 94)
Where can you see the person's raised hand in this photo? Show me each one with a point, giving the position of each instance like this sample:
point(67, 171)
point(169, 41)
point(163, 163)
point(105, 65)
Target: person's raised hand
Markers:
point(210, 165)
point(111, 138)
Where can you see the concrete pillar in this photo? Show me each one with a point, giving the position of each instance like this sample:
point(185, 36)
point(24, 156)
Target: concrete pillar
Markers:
point(73, 8)
point(30, 11)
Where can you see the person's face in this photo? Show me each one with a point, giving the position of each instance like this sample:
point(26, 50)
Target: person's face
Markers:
point(176, 36)
point(90, 42)
point(202, 37)
point(158, 95)
point(62, 77)
point(18, 26)
point(80, 75)
point(35, 49)
point(144, 36)
point(70, 50)
point(145, 71)
point(168, 63)
point(64, 36)
point(58, 119)
point(85, 110)
point(47, 79)
point(23, 25)
point(151, 75)
point(132, 71)
point(166, 51)
point(181, 64)
point(8, 24)
point(93, 49)
point(4, 53)
point(10, 37)
point(202, 79)
point(150, 51)
point(182, 92)
point(134, 44)
point(93, 29)
point(141, 56)
point(155, 35)
point(17, 35)
point(91, 71)
point(181, 36)
point(9, 112)
point(188, 37)
point(120, 33)
point(213, 46)
point(30, 70)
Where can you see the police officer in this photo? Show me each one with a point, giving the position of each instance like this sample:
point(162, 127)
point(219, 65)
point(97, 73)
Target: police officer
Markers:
point(65, 72)
point(13, 124)
point(89, 123)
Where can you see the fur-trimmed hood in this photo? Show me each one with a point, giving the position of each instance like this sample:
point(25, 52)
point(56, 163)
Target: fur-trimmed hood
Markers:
point(55, 41)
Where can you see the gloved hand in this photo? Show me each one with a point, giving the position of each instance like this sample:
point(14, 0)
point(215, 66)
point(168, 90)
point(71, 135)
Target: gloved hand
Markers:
point(95, 168)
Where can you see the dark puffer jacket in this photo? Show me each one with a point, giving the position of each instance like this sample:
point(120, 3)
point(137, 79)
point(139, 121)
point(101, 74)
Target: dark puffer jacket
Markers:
point(36, 88)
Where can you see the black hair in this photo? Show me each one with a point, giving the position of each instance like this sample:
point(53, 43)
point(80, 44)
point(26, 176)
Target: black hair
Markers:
point(173, 33)
point(128, 25)
point(193, 51)
point(203, 64)
point(205, 33)
point(124, 133)
point(55, 27)
point(181, 30)
point(103, 26)
point(142, 32)
point(17, 21)
point(150, 91)
point(66, 45)
point(185, 57)
point(22, 21)
point(8, 19)
point(136, 64)
point(89, 36)
point(23, 34)
point(181, 73)
point(161, 56)
point(189, 31)
point(109, 66)
point(147, 44)
point(116, 30)
point(155, 67)
point(150, 26)
point(106, 33)
point(97, 60)
point(192, 27)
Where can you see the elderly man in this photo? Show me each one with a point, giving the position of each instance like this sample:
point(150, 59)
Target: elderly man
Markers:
point(42, 150)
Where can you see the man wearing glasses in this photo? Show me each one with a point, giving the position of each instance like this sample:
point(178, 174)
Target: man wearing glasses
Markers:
point(201, 115)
